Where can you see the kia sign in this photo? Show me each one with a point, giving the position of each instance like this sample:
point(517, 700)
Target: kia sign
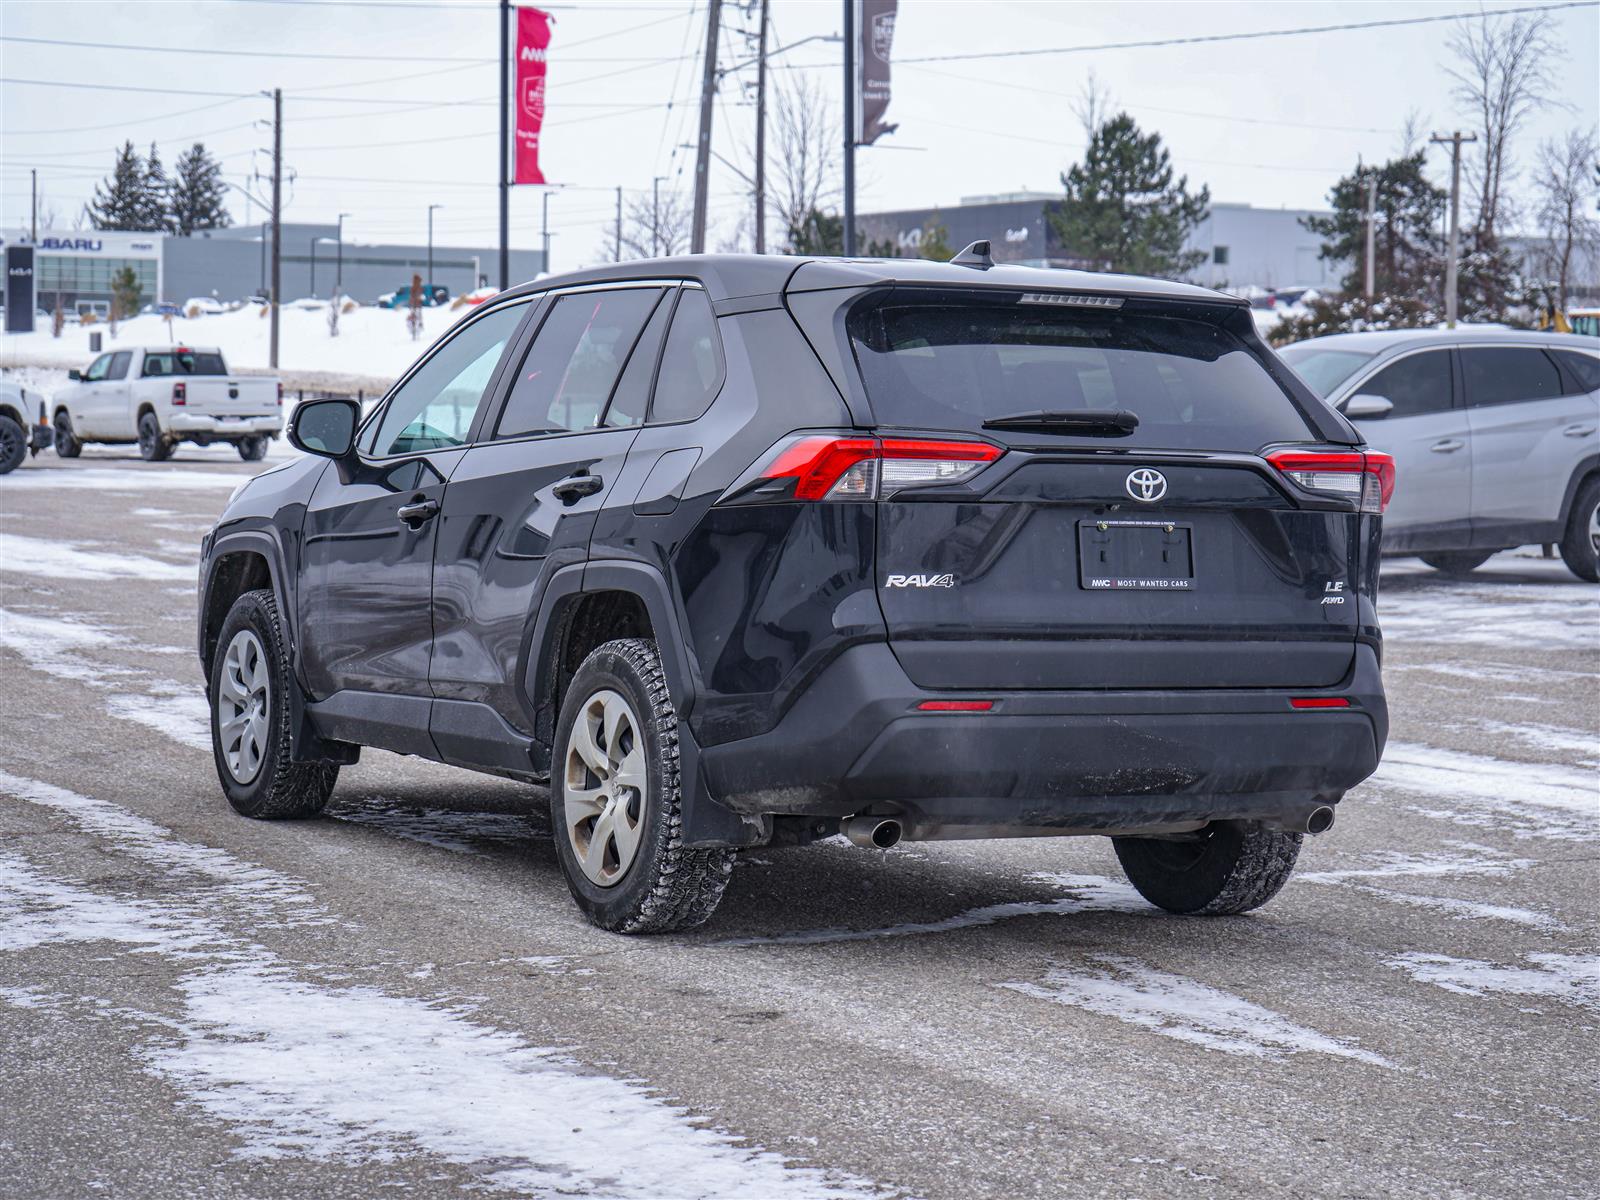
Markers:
point(527, 102)
point(19, 289)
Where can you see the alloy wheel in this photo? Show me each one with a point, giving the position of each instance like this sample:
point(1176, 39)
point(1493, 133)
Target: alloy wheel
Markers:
point(1594, 528)
point(243, 700)
point(605, 787)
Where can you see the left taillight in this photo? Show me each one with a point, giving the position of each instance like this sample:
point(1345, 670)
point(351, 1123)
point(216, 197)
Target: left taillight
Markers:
point(827, 467)
point(180, 394)
point(1365, 477)
point(280, 393)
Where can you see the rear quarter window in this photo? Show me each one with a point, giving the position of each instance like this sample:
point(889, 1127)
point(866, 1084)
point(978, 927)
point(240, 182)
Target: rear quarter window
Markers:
point(932, 364)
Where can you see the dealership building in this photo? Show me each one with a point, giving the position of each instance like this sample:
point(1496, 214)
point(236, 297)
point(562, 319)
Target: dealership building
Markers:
point(75, 267)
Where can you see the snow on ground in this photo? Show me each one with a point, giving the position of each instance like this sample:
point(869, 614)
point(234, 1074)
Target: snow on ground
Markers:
point(1526, 799)
point(47, 476)
point(54, 645)
point(1568, 978)
point(300, 1066)
point(372, 342)
point(183, 716)
point(1182, 1008)
point(20, 554)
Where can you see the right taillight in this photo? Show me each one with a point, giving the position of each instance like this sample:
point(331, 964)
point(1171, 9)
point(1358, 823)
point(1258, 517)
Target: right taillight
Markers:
point(180, 394)
point(1365, 477)
point(826, 467)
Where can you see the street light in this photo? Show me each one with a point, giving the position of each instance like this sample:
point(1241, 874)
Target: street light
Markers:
point(314, 242)
point(431, 207)
point(338, 274)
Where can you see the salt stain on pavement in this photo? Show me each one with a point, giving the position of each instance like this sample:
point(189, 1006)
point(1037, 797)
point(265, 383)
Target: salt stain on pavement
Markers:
point(1572, 979)
point(1185, 1009)
point(299, 1067)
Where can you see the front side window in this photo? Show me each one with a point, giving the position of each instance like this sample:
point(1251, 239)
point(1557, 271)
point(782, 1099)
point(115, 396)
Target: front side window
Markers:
point(1505, 374)
point(568, 373)
point(691, 363)
point(97, 369)
point(1416, 385)
point(435, 408)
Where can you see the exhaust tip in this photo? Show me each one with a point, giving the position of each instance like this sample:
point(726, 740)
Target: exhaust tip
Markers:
point(874, 833)
point(1320, 820)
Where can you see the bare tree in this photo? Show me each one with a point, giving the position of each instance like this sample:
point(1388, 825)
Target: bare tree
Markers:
point(1503, 73)
point(1092, 106)
point(1566, 183)
point(1414, 131)
point(654, 225)
point(803, 176)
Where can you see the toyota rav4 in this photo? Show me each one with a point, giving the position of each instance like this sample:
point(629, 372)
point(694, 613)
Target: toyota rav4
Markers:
point(736, 551)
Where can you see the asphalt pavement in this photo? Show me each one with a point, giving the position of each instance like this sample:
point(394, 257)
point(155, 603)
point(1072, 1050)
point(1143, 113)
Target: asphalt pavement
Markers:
point(401, 998)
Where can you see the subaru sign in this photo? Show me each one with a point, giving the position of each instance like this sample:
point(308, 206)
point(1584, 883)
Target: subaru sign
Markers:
point(19, 289)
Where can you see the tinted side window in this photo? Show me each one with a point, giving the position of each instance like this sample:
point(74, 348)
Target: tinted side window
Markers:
point(1584, 369)
point(1501, 374)
point(567, 375)
point(120, 362)
point(632, 396)
point(435, 407)
point(1417, 384)
point(691, 364)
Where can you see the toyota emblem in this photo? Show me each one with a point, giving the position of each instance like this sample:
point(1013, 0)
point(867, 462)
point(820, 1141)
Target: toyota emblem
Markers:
point(1146, 485)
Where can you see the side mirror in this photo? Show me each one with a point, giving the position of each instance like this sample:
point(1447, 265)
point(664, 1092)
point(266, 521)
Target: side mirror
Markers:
point(75, 375)
point(1366, 407)
point(325, 427)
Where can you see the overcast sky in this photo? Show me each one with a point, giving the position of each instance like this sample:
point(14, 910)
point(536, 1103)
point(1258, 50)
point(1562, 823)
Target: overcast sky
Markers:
point(1270, 121)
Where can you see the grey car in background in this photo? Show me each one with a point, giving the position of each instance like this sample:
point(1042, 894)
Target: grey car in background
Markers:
point(1495, 435)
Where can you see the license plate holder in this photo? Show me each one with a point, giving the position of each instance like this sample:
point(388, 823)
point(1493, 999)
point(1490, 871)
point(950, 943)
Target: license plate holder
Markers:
point(1140, 556)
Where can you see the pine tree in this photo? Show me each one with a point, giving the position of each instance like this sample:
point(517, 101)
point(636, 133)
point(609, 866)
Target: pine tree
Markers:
point(197, 193)
point(119, 200)
point(1123, 211)
point(156, 197)
point(1408, 252)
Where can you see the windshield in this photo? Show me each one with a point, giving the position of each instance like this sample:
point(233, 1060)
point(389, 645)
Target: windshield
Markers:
point(959, 362)
point(1323, 367)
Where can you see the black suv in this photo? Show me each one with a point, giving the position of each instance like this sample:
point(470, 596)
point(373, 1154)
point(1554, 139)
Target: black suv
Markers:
point(737, 551)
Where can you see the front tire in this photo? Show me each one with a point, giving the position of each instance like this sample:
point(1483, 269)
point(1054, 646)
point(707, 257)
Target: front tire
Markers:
point(252, 449)
point(67, 443)
point(1227, 868)
point(250, 719)
point(152, 446)
point(1457, 562)
point(1580, 544)
point(616, 804)
point(13, 445)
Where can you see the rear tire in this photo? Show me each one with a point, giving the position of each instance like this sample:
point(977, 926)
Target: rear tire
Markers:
point(1457, 562)
point(13, 445)
point(1580, 544)
point(153, 447)
point(1231, 868)
point(615, 802)
point(252, 449)
point(67, 443)
point(250, 729)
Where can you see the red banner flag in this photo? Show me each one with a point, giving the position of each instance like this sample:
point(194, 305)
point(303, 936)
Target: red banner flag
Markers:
point(527, 101)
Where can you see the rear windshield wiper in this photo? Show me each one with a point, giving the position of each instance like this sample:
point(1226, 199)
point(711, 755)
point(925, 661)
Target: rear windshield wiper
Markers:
point(1090, 422)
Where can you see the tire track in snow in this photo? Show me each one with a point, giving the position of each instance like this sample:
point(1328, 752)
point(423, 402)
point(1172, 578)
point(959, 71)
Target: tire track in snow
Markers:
point(298, 1066)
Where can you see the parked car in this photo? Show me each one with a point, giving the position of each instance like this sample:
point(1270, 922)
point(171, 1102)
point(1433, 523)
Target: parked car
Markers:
point(162, 395)
point(739, 550)
point(432, 297)
point(1495, 435)
point(203, 306)
point(24, 425)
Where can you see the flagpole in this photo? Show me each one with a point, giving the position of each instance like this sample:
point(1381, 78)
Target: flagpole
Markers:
point(505, 144)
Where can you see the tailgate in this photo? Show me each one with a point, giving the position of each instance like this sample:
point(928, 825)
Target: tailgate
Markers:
point(221, 397)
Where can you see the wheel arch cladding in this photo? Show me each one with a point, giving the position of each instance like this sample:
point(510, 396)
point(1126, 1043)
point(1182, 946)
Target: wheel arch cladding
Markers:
point(238, 565)
point(1581, 474)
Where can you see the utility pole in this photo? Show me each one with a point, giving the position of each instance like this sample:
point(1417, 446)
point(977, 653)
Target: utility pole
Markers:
point(505, 144)
point(849, 128)
point(1452, 261)
point(1372, 231)
point(702, 162)
point(655, 216)
point(544, 227)
point(338, 270)
point(277, 223)
point(33, 234)
point(761, 135)
point(431, 207)
point(619, 223)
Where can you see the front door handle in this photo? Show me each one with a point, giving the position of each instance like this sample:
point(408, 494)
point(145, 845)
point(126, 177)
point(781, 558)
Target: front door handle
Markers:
point(1448, 446)
point(417, 512)
point(575, 487)
point(1579, 430)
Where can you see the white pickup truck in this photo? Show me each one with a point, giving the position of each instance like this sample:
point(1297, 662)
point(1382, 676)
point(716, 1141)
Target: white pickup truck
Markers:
point(160, 396)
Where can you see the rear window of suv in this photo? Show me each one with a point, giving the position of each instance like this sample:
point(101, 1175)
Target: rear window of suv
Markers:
point(941, 363)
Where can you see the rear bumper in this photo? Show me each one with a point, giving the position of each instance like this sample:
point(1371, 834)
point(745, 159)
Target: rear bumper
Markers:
point(1068, 760)
point(186, 424)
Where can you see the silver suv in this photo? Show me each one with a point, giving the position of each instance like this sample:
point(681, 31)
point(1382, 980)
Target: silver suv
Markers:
point(1493, 433)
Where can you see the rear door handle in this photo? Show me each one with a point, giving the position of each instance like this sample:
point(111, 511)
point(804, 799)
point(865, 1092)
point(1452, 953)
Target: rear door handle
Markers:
point(1448, 446)
point(1579, 430)
point(575, 487)
point(418, 511)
